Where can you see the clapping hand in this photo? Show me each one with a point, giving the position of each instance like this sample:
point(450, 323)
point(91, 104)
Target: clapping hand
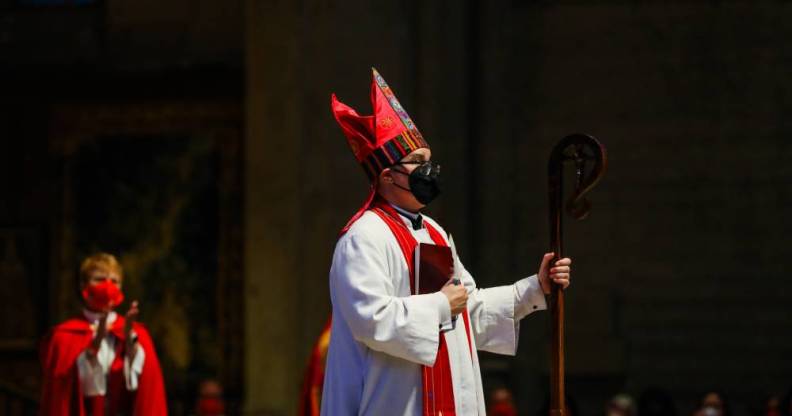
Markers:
point(131, 317)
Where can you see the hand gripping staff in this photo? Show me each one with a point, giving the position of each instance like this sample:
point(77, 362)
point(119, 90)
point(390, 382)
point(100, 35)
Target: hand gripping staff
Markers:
point(581, 150)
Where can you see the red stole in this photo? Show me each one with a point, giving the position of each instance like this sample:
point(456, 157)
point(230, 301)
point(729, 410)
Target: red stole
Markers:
point(438, 391)
point(61, 393)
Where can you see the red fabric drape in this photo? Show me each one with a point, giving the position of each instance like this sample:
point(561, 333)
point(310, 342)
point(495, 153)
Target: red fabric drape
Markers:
point(61, 393)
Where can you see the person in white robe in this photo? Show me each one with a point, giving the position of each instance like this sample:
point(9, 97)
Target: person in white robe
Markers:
point(381, 334)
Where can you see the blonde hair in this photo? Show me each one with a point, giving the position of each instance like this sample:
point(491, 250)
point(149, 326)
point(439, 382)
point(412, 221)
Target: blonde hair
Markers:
point(100, 261)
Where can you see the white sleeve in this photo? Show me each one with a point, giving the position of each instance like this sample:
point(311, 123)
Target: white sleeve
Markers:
point(133, 369)
point(361, 288)
point(93, 375)
point(528, 297)
point(495, 312)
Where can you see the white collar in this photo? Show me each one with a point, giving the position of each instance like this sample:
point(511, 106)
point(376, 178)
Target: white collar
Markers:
point(408, 214)
point(93, 317)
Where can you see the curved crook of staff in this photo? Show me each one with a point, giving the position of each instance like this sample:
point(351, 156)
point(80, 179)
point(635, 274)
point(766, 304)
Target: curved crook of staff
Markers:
point(590, 160)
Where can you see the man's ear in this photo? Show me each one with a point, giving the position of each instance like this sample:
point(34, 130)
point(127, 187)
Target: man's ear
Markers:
point(386, 176)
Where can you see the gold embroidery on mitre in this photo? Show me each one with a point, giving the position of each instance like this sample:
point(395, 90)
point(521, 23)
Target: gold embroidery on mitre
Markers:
point(386, 122)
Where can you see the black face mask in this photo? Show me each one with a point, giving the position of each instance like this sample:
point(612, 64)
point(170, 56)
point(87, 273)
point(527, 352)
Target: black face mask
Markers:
point(424, 181)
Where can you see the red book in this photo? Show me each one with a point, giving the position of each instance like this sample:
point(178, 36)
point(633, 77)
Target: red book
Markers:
point(434, 265)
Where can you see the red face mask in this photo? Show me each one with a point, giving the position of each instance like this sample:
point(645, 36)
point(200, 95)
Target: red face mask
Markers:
point(210, 406)
point(102, 296)
point(502, 409)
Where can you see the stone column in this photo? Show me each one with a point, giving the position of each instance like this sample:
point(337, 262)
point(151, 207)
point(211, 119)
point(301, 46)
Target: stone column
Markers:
point(271, 208)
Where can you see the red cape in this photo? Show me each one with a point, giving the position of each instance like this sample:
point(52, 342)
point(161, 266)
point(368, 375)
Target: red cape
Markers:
point(61, 393)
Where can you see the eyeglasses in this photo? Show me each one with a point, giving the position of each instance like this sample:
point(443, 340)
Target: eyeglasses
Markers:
point(425, 168)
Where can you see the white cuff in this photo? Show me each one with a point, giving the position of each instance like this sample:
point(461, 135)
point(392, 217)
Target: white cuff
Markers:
point(444, 308)
point(133, 370)
point(93, 373)
point(528, 297)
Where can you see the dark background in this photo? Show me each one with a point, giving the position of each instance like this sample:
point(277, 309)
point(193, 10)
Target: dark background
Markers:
point(193, 138)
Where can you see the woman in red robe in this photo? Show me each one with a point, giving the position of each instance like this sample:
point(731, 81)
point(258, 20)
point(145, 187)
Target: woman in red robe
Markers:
point(101, 363)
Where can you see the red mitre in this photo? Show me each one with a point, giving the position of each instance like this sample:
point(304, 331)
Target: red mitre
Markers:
point(378, 141)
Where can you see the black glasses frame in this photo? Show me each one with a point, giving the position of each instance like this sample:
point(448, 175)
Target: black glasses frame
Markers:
point(427, 168)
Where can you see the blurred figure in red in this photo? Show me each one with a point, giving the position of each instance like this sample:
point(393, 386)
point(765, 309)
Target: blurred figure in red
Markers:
point(101, 362)
point(621, 405)
point(501, 403)
point(210, 399)
point(770, 406)
point(712, 404)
